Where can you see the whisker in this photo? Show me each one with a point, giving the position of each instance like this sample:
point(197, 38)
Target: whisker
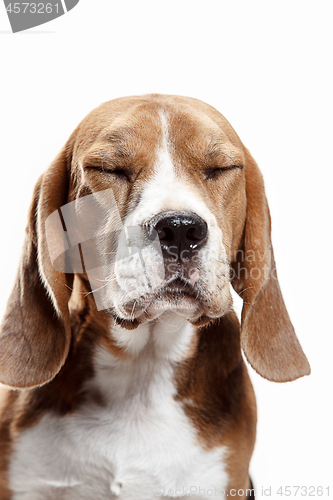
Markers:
point(132, 312)
point(248, 288)
point(75, 291)
point(96, 290)
point(160, 320)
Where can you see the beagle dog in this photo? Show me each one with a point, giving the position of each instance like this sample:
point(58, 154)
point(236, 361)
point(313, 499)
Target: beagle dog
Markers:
point(140, 390)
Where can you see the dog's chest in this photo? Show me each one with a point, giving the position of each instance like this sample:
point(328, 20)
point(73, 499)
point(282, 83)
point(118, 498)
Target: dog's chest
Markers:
point(138, 445)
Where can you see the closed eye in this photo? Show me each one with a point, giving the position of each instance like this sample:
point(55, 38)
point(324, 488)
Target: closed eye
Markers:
point(213, 173)
point(119, 172)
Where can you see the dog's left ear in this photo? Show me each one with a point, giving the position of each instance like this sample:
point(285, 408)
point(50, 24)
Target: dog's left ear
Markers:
point(267, 335)
point(35, 332)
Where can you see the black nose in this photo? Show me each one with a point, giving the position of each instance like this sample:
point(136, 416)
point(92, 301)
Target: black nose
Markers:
point(180, 234)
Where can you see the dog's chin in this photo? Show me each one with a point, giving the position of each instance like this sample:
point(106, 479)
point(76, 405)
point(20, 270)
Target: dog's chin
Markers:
point(189, 307)
point(182, 304)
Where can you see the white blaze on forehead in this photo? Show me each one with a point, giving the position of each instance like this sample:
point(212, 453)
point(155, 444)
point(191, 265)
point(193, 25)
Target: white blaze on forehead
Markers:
point(166, 190)
point(165, 169)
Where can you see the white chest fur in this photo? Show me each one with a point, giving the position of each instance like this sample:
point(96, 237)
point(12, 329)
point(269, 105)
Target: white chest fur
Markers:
point(140, 445)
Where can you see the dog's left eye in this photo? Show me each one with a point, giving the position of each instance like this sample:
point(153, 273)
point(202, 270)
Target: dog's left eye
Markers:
point(215, 172)
point(120, 172)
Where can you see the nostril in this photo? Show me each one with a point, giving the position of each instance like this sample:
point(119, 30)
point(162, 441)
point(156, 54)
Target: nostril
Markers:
point(190, 234)
point(196, 234)
point(166, 234)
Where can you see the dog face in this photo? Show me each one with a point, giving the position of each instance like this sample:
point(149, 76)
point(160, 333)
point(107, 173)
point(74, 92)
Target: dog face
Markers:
point(189, 195)
point(177, 176)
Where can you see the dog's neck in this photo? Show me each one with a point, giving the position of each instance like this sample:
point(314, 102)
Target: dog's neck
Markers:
point(169, 337)
point(146, 370)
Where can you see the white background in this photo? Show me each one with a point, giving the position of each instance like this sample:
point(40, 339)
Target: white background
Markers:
point(267, 66)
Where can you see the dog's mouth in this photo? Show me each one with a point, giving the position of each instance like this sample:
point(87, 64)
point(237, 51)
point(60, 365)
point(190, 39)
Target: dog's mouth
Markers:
point(179, 286)
point(178, 295)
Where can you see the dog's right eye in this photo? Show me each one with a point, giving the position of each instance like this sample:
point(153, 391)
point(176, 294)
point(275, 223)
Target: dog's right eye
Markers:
point(119, 172)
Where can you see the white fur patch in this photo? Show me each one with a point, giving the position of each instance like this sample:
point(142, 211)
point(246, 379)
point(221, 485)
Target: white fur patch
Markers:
point(170, 334)
point(140, 445)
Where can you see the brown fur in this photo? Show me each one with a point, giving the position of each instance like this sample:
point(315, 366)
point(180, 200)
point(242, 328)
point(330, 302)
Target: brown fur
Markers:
point(222, 404)
point(48, 337)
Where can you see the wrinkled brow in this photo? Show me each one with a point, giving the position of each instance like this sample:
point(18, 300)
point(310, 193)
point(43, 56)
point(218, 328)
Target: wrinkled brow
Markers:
point(213, 150)
point(121, 141)
point(216, 151)
point(115, 148)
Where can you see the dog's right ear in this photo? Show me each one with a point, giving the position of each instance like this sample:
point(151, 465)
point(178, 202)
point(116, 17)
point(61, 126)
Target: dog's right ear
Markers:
point(35, 331)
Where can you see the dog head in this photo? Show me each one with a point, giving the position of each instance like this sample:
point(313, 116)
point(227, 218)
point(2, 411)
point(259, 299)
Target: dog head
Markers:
point(168, 177)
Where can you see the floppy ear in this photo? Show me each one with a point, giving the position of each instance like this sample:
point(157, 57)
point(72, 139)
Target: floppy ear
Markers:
point(267, 336)
point(35, 331)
